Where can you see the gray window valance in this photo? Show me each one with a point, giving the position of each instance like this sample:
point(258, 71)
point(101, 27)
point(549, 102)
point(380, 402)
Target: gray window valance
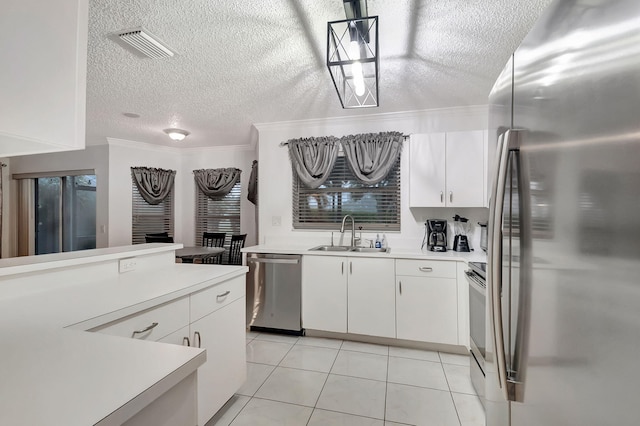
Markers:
point(153, 184)
point(216, 182)
point(252, 187)
point(313, 158)
point(371, 156)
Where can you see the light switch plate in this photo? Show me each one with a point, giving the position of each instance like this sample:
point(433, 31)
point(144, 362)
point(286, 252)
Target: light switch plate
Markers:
point(276, 221)
point(127, 265)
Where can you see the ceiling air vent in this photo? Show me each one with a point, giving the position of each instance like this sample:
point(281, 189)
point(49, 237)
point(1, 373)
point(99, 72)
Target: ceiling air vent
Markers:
point(142, 43)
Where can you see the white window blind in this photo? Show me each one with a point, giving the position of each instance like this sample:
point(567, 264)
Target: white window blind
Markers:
point(221, 214)
point(148, 219)
point(374, 207)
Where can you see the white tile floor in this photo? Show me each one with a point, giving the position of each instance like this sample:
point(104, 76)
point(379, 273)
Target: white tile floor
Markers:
point(311, 381)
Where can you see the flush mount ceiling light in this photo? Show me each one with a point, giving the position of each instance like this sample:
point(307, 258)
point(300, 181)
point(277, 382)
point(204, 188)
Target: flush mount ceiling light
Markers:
point(176, 134)
point(352, 56)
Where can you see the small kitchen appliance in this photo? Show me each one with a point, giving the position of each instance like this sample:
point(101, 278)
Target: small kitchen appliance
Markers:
point(461, 226)
point(437, 234)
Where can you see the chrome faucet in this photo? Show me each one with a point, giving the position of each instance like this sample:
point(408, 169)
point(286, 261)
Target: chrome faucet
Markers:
point(353, 229)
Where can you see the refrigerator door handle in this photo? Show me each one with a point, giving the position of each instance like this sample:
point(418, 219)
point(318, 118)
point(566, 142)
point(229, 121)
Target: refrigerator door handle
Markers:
point(496, 210)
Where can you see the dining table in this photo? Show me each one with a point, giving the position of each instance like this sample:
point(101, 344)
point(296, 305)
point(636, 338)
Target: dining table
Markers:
point(198, 254)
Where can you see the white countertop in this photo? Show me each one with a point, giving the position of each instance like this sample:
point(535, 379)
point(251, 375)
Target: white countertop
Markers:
point(394, 253)
point(65, 376)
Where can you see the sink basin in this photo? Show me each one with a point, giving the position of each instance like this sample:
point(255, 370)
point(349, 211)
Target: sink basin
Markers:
point(330, 248)
point(369, 250)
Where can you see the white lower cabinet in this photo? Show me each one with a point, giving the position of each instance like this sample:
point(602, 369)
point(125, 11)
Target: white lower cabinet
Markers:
point(427, 301)
point(348, 294)
point(324, 293)
point(371, 297)
point(222, 334)
point(214, 319)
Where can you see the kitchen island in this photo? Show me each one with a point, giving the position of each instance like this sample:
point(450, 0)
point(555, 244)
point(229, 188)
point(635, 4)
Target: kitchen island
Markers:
point(55, 372)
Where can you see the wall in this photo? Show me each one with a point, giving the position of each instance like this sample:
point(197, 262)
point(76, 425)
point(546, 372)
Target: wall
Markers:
point(123, 155)
point(275, 217)
point(94, 157)
point(112, 163)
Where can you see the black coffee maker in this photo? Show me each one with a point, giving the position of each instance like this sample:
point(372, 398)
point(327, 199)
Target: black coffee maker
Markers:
point(437, 234)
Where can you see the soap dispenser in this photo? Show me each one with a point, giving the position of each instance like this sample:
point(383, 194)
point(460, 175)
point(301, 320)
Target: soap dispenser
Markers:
point(378, 243)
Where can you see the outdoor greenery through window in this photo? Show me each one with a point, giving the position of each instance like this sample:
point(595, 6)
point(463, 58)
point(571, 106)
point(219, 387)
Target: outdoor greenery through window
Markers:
point(220, 214)
point(150, 219)
point(374, 207)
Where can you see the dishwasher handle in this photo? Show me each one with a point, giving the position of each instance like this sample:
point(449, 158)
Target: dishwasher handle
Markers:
point(268, 260)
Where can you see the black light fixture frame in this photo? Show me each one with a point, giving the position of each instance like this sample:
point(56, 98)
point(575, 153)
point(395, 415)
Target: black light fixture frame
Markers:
point(340, 34)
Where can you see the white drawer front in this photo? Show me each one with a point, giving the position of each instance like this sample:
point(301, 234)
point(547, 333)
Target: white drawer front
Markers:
point(426, 268)
point(213, 298)
point(169, 317)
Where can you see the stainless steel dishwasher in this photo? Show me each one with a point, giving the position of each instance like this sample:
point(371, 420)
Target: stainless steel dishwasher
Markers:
point(274, 294)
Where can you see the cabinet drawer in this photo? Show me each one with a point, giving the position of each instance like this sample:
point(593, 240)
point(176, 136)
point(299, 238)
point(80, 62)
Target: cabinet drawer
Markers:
point(213, 298)
point(426, 268)
point(169, 317)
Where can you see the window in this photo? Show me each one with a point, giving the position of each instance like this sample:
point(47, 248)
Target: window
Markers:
point(375, 207)
point(56, 211)
point(221, 214)
point(149, 219)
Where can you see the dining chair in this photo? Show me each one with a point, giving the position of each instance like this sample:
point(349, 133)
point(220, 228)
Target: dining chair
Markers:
point(213, 239)
point(237, 243)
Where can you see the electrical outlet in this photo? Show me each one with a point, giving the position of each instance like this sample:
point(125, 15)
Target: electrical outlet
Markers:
point(276, 221)
point(127, 265)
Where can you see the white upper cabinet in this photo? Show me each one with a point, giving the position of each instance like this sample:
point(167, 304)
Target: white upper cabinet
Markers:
point(448, 169)
point(43, 78)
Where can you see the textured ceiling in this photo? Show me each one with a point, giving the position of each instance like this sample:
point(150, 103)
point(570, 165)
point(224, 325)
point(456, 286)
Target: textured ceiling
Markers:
point(243, 62)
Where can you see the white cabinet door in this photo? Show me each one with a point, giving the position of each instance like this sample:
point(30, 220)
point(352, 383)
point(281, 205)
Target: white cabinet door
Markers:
point(465, 170)
point(427, 309)
point(180, 337)
point(371, 299)
point(222, 334)
point(324, 293)
point(43, 45)
point(427, 170)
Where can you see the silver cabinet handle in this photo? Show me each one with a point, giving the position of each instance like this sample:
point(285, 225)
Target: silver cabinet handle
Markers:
point(351, 267)
point(441, 197)
point(425, 269)
point(185, 341)
point(342, 268)
point(151, 327)
point(451, 196)
point(400, 286)
point(197, 340)
point(225, 294)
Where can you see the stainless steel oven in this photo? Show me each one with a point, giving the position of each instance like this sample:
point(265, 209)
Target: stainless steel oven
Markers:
point(476, 276)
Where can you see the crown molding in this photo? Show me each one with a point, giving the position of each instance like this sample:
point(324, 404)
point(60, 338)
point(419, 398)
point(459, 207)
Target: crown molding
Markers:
point(375, 118)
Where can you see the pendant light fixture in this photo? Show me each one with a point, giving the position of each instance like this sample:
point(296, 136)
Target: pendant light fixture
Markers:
point(352, 56)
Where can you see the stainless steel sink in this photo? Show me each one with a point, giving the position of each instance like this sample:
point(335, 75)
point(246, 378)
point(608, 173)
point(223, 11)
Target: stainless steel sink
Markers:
point(330, 248)
point(353, 249)
point(369, 250)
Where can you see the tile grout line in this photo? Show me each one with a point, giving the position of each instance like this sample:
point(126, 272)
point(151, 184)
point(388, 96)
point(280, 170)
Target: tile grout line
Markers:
point(453, 401)
point(325, 382)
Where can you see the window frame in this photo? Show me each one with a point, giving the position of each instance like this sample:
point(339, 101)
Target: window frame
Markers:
point(140, 209)
point(390, 187)
point(231, 206)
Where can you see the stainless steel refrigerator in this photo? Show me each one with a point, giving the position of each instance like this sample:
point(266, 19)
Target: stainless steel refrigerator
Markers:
point(563, 341)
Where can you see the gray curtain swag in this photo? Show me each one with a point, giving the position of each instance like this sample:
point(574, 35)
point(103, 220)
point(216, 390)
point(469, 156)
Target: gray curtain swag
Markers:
point(252, 188)
point(216, 182)
point(313, 158)
point(372, 156)
point(153, 184)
